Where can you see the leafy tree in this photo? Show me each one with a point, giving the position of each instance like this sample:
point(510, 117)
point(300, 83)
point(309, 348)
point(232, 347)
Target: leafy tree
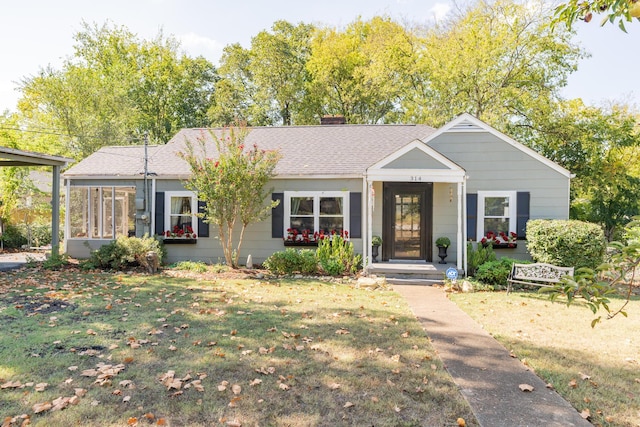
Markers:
point(620, 10)
point(499, 61)
point(265, 84)
point(115, 88)
point(601, 147)
point(232, 184)
point(363, 72)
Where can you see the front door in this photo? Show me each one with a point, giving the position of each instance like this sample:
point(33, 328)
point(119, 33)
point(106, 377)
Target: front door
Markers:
point(407, 218)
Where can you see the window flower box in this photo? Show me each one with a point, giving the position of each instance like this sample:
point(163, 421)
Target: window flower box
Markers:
point(179, 241)
point(306, 238)
point(500, 240)
point(180, 236)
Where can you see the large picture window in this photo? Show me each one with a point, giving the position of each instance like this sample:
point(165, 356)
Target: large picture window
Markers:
point(102, 212)
point(317, 212)
point(497, 212)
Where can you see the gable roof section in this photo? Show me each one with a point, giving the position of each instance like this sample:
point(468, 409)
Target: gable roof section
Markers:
point(416, 160)
point(468, 123)
point(125, 161)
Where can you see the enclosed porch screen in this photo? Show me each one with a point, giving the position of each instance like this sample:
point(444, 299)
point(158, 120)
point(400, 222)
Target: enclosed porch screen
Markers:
point(101, 212)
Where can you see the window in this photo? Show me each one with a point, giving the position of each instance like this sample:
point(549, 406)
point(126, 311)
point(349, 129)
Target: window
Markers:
point(180, 212)
point(497, 212)
point(321, 211)
point(102, 212)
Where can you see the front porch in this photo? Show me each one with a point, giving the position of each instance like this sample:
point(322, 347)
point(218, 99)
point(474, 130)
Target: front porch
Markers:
point(411, 272)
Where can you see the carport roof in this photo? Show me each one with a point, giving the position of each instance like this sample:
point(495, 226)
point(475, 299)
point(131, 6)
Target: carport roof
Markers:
point(15, 157)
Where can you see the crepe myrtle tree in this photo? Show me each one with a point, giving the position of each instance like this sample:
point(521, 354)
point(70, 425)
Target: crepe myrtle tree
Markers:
point(232, 183)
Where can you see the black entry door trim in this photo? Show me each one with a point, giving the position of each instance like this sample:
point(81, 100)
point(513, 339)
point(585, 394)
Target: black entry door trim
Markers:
point(389, 192)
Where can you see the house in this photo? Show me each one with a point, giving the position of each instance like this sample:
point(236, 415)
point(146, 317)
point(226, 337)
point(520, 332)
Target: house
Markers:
point(409, 184)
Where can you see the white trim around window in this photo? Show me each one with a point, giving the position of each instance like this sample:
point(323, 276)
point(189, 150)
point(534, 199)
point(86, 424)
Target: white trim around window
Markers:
point(508, 211)
point(176, 210)
point(313, 209)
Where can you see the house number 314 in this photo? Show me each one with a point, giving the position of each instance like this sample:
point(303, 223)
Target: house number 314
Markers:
point(415, 178)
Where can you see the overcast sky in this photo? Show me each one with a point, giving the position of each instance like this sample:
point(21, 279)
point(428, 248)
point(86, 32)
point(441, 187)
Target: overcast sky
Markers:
point(37, 33)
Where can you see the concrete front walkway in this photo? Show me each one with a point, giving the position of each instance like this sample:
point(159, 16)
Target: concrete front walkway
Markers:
point(483, 370)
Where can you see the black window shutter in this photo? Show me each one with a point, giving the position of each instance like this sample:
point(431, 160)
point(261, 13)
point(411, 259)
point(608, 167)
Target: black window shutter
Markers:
point(355, 215)
point(203, 227)
point(159, 215)
point(277, 216)
point(523, 201)
point(472, 216)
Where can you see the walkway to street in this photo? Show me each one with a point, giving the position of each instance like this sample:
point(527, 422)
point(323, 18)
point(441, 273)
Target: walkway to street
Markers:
point(488, 377)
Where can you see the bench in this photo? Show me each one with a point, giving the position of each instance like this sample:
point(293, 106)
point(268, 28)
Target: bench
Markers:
point(537, 274)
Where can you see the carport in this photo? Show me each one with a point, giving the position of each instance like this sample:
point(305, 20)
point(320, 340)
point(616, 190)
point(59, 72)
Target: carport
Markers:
point(14, 157)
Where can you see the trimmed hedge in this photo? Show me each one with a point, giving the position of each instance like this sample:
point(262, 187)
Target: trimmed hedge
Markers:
point(566, 243)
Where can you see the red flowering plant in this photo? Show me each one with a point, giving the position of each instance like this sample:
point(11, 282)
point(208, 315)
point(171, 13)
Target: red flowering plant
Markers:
point(501, 238)
point(306, 236)
point(180, 233)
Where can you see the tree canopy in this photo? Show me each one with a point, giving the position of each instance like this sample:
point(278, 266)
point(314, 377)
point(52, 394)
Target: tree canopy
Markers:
point(117, 87)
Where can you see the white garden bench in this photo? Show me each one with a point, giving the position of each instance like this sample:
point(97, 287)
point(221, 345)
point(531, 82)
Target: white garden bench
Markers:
point(537, 274)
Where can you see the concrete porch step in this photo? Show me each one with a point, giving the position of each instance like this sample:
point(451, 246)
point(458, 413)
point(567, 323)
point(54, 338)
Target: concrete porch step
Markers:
point(403, 272)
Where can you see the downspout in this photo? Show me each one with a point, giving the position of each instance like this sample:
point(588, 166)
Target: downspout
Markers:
point(152, 210)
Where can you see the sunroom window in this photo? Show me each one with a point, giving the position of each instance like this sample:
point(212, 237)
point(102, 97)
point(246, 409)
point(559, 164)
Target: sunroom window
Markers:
point(101, 212)
point(316, 212)
point(497, 212)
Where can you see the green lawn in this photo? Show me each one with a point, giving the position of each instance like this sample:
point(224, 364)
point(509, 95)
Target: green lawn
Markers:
point(597, 370)
point(131, 349)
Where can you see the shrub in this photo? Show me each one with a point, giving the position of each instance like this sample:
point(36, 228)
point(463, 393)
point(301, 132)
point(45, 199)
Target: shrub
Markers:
point(195, 266)
point(125, 252)
point(477, 257)
point(566, 243)
point(13, 237)
point(336, 256)
point(495, 273)
point(292, 261)
point(56, 261)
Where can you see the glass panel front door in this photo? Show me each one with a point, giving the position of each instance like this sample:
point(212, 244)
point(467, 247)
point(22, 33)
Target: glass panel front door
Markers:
point(406, 220)
point(407, 225)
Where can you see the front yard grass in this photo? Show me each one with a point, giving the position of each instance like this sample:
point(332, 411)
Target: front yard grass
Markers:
point(133, 349)
point(597, 370)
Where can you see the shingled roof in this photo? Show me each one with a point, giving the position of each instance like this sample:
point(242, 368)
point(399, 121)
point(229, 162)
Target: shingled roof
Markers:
point(327, 150)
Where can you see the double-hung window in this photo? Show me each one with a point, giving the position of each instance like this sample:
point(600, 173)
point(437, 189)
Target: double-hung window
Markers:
point(180, 213)
point(323, 212)
point(497, 212)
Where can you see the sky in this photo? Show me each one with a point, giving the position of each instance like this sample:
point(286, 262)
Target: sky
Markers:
point(38, 33)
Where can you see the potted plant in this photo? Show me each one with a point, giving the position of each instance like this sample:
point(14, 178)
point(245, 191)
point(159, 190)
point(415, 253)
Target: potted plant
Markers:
point(376, 241)
point(443, 243)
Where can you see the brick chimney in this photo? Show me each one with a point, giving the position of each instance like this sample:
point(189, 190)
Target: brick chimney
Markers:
point(333, 120)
